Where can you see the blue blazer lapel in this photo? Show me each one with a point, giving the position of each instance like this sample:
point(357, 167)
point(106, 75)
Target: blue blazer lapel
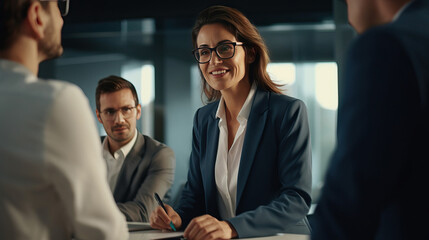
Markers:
point(255, 129)
point(208, 165)
point(131, 162)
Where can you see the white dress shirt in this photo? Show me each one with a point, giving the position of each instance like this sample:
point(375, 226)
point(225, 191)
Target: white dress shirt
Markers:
point(228, 162)
point(52, 173)
point(114, 163)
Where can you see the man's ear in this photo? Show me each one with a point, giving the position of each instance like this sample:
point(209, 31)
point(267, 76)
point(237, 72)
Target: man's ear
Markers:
point(98, 116)
point(139, 111)
point(36, 20)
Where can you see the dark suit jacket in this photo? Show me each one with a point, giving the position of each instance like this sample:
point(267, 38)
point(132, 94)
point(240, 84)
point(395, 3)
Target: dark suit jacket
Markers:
point(148, 168)
point(374, 186)
point(274, 179)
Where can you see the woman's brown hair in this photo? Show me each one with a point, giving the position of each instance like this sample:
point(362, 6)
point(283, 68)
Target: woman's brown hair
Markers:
point(244, 31)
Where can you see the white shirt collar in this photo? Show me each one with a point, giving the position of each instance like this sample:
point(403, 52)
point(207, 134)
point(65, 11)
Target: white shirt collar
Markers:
point(245, 109)
point(399, 13)
point(124, 149)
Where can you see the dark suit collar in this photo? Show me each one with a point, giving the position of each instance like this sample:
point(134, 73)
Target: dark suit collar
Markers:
point(414, 5)
point(131, 162)
point(255, 129)
point(208, 164)
point(137, 149)
point(260, 102)
point(254, 132)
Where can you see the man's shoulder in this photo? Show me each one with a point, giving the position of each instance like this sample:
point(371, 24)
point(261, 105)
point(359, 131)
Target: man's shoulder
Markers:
point(154, 144)
point(378, 42)
point(405, 32)
point(57, 84)
point(55, 89)
point(152, 147)
point(376, 34)
point(396, 40)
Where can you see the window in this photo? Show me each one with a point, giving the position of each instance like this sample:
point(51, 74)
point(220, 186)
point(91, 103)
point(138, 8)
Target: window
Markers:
point(315, 83)
point(142, 76)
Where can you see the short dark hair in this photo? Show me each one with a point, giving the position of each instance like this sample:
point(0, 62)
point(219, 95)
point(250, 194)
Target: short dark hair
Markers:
point(112, 84)
point(12, 14)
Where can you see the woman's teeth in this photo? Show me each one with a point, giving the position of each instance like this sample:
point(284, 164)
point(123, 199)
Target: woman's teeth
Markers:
point(219, 72)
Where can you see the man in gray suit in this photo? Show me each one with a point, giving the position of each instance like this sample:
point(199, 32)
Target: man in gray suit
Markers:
point(137, 165)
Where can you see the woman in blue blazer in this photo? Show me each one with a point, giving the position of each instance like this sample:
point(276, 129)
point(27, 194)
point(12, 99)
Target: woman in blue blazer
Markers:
point(250, 166)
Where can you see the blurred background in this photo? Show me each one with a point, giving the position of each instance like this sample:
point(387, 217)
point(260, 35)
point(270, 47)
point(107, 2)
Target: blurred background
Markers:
point(149, 44)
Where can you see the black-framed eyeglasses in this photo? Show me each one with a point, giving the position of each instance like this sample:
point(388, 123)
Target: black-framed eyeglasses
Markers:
point(110, 114)
point(63, 5)
point(223, 51)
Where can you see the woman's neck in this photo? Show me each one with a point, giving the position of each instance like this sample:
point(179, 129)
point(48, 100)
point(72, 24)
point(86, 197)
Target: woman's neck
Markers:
point(235, 97)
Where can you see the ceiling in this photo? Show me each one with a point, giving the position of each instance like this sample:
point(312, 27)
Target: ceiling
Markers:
point(181, 14)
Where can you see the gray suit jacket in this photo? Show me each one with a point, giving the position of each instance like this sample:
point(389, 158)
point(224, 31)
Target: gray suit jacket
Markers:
point(148, 168)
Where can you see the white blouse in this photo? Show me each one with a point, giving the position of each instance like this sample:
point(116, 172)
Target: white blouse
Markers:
point(228, 162)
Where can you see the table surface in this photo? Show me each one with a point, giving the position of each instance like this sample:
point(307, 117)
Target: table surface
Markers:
point(158, 234)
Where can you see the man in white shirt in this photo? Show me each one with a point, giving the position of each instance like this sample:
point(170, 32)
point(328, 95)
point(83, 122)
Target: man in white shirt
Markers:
point(52, 175)
point(137, 165)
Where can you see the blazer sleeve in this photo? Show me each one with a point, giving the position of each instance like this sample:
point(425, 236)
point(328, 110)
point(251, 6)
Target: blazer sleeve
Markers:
point(285, 213)
point(192, 199)
point(160, 177)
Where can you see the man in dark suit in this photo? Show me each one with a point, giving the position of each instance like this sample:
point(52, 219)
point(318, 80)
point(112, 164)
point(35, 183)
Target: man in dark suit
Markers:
point(378, 173)
point(137, 165)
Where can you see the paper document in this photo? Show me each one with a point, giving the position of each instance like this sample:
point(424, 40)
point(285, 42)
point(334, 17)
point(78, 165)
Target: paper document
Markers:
point(138, 226)
point(155, 234)
point(167, 235)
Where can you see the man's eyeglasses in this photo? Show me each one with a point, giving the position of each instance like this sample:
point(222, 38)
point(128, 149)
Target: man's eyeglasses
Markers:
point(110, 114)
point(63, 5)
point(223, 51)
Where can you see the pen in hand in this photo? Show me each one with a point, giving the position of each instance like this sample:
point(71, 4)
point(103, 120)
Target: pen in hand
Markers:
point(158, 199)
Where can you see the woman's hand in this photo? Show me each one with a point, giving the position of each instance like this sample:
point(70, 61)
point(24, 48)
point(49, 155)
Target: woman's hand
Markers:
point(208, 227)
point(159, 219)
